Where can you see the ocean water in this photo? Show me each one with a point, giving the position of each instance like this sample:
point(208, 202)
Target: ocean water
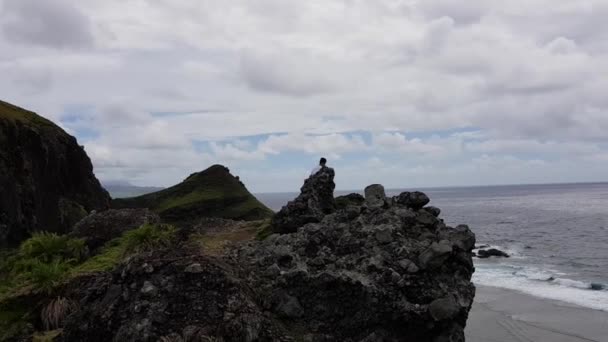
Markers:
point(557, 236)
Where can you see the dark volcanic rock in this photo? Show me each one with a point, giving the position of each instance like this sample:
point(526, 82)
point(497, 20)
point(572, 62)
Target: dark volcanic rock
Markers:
point(353, 199)
point(314, 202)
point(354, 278)
point(99, 228)
point(375, 197)
point(46, 178)
point(187, 297)
point(483, 253)
point(385, 273)
point(415, 200)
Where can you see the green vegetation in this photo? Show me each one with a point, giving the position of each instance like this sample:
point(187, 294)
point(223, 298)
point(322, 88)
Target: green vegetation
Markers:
point(14, 113)
point(13, 320)
point(47, 247)
point(46, 261)
point(148, 237)
point(264, 231)
point(45, 277)
point(210, 193)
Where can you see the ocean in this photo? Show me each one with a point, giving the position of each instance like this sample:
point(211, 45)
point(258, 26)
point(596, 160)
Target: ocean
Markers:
point(556, 234)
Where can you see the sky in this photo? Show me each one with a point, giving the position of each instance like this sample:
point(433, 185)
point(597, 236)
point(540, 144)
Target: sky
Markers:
point(402, 93)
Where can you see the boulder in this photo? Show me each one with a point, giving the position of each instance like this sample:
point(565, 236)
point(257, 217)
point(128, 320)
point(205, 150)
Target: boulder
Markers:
point(435, 255)
point(433, 210)
point(486, 253)
point(444, 308)
point(461, 237)
point(99, 228)
point(415, 200)
point(315, 201)
point(354, 199)
point(375, 196)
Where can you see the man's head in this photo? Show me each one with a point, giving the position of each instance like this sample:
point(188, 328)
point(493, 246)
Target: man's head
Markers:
point(323, 161)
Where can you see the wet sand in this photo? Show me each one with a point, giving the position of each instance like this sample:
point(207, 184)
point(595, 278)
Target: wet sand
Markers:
point(500, 315)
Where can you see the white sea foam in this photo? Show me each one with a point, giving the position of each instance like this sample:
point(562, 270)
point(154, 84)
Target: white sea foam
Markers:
point(540, 283)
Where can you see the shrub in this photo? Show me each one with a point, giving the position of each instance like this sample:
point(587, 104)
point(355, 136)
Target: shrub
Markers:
point(148, 237)
point(48, 247)
point(44, 277)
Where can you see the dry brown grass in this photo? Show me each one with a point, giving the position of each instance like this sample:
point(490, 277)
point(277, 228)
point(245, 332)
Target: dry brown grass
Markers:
point(47, 336)
point(215, 243)
point(54, 313)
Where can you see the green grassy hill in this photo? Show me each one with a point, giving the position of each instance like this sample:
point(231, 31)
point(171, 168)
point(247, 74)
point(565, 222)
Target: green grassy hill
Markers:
point(210, 193)
point(17, 114)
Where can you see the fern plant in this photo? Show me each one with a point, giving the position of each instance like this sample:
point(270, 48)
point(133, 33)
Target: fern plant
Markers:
point(44, 277)
point(47, 247)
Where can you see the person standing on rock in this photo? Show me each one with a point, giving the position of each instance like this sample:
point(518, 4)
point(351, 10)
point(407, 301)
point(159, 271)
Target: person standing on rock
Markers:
point(318, 168)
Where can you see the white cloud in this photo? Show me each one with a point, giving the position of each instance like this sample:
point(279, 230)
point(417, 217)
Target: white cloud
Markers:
point(50, 23)
point(526, 76)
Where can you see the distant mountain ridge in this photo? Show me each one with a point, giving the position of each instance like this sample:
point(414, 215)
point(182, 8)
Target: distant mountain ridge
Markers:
point(213, 192)
point(125, 189)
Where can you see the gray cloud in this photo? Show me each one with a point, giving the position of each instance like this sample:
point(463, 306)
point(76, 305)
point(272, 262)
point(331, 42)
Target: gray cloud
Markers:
point(291, 73)
point(50, 23)
point(294, 79)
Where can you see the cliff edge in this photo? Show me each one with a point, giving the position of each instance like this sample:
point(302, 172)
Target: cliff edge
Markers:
point(46, 178)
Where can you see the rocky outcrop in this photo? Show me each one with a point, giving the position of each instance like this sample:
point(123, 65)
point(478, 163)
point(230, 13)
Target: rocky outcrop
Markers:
point(316, 200)
point(174, 295)
point(390, 272)
point(99, 228)
point(377, 272)
point(492, 252)
point(46, 178)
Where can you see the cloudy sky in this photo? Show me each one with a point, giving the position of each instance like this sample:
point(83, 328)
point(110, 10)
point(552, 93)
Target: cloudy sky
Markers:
point(402, 92)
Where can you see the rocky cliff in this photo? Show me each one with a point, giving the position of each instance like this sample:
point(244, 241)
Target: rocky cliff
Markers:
point(385, 269)
point(46, 178)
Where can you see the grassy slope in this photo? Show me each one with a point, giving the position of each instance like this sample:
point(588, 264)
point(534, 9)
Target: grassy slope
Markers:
point(13, 113)
point(210, 193)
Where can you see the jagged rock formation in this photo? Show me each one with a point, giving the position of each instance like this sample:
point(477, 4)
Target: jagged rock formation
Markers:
point(361, 273)
point(213, 192)
point(99, 228)
point(46, 178)
point(316, 200)
point(377, 272)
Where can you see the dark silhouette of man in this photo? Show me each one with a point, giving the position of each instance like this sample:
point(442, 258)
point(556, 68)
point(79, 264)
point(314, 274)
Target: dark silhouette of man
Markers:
point(318, 168)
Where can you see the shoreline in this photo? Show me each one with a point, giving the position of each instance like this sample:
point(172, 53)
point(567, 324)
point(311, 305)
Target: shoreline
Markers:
point(503, 315)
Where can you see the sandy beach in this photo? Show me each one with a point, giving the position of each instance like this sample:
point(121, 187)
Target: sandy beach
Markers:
point(500, 315)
